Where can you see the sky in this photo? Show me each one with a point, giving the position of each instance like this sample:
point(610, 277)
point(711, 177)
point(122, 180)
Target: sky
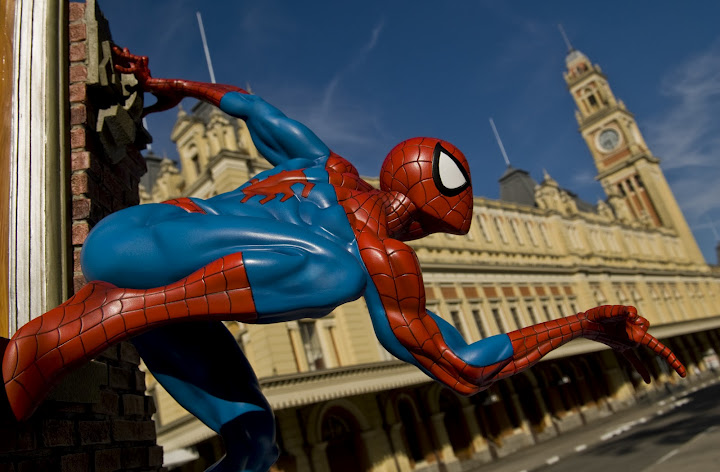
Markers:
point(367, 75)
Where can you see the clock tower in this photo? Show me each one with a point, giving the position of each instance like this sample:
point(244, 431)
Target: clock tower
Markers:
point(628, 171)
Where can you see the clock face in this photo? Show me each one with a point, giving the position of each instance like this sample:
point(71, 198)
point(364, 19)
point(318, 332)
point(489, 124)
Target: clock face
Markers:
point(608, 140)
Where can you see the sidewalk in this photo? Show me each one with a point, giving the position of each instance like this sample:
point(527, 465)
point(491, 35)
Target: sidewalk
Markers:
point(704, 446)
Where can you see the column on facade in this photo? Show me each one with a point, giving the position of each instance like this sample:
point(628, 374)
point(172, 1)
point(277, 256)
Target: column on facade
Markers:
point(402, 458)
point(686, 355)
point(442, 440)
point(479, 443)
point(318, 456)
point(379, 453)
point(619, 386)
point(290, 430)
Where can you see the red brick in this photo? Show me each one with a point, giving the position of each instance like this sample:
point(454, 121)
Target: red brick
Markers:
point(80, 160)
point(77, 11)
point(94, 432)
point(108, 404)
point(76, 261)
point(134, 457)
point(78, 32)
point(79, 183)
point(107, 460)
point(81, 209)
point(78, 73)
point(78, 92)
point(39, 463)
point(78, 52)
point(79, 281)
point(77, 138)
point(139, 381)
point(80, 232)
point(58, 433)
point(150, 408)
point(78, 114)
point(17, 439)
point(128, 353)
point(75, 463)
point(111, 353)
point(133, 405)
point(155, 456)
point(121, 379)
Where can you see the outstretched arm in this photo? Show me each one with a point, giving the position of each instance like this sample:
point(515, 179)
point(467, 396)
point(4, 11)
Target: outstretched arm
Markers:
point(277, 137)
point(413, 334)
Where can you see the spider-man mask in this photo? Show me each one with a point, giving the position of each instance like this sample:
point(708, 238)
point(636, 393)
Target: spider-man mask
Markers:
point(435, 176)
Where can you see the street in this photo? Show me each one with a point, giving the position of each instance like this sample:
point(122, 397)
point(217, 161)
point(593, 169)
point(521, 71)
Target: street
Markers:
point(680, 432)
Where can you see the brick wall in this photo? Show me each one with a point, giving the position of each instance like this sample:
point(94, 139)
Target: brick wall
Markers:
point(98, 419)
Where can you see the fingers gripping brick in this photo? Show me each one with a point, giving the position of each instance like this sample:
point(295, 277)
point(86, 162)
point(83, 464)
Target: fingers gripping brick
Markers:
point(101, 315)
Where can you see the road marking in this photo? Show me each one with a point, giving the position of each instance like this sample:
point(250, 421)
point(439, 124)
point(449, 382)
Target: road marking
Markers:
point(580, 448)
point(667, 456)
point(552, 460)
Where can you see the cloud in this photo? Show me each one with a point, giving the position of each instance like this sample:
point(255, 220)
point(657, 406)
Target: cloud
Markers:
point(354, 63)
point(687, 134)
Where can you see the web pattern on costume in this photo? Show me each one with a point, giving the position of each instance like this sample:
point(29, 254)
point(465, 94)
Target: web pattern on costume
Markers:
point(100, 315)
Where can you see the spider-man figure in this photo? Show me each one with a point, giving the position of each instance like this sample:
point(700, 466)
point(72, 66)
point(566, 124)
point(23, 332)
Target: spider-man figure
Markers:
point(294, 242)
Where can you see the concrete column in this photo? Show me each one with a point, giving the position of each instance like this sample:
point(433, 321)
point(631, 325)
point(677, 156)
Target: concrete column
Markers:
point(481, 451)
point(378, 450)
point(292, 437)
point(620, 386)
point(548, 427)
point(318, 455)
point(686, 358)
point(402, 456)
point(443, 443)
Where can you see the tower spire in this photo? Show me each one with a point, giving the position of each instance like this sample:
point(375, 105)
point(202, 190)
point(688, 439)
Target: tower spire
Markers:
point(565, 37)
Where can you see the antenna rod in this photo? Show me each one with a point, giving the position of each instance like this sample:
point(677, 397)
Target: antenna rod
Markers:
point(567, 41)
point(499, 141)
point(205, 46)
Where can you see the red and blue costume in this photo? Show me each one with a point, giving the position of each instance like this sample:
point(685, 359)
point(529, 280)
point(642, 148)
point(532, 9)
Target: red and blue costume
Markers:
point(296, 241)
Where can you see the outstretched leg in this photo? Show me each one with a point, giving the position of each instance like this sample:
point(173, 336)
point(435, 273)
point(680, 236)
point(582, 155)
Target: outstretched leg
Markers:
point(201, 365)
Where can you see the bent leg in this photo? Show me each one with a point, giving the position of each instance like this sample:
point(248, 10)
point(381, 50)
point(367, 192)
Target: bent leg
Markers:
point(201, 365)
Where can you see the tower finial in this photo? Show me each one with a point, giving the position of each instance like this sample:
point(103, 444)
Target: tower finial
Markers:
point(567, 41)
point(497, 137)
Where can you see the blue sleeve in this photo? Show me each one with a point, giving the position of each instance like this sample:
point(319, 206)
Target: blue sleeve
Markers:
point(482, 353)
point(277, 137)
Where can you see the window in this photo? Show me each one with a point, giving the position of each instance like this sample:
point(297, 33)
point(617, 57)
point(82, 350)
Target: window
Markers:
point(546, 312)
point(479, 323)
point(500, 230)
point(311, 345)
point(544, 234)
point(528, 228)
point(516, 317)
point(573, 308)
point(498, 319)
point(457, 321)
point(483, 228)
point(532, 315)
point(516, 232)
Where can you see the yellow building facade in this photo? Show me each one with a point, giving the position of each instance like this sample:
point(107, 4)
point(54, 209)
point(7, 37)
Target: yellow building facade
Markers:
point(538, 253)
